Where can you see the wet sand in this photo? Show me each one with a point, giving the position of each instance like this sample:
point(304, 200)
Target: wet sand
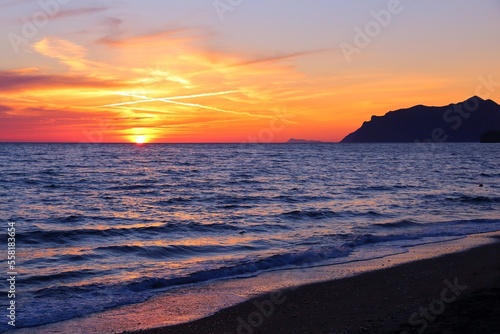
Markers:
point(455, 293)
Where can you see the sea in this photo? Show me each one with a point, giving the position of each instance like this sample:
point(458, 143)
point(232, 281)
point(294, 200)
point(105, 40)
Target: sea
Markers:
point(100, 226)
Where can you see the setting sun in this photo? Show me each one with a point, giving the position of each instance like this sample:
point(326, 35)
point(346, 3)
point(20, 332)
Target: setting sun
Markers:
point(139, 140)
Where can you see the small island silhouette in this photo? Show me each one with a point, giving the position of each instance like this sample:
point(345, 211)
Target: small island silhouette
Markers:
point(490, 137)
point(303, 141)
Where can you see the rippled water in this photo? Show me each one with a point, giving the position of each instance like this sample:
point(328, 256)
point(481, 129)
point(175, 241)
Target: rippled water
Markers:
point(105, 225)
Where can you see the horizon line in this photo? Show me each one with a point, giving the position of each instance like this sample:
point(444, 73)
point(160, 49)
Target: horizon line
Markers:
point(165, 143)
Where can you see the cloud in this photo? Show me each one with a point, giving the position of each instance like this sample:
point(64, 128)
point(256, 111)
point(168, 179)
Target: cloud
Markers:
point(74, 56)
point(67, 52)
point(13, 2)
point(272, 59)
point(4, 109)
point(112, 26)
point(79, 11)
point(24, 70)
point(14, 81)
point(157, 38)
point(54, 13)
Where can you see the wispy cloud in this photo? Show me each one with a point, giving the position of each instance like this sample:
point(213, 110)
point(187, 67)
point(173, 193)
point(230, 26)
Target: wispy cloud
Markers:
point(79, 12)
point(115, 37)
point(3, 108)
point(14, 81)
point(67, 52)
point(12, 2)
point(59, 14)
point(279, 58)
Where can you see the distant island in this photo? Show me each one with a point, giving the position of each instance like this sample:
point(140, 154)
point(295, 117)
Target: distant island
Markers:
point(490, 137)
point(473, 120)
point(303, 141)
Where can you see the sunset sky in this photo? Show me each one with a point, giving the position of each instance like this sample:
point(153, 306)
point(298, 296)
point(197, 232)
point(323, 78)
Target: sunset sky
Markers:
point(235, 71)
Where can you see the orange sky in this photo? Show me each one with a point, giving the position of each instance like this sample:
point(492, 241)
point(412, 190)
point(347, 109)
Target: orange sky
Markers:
point(256, 73)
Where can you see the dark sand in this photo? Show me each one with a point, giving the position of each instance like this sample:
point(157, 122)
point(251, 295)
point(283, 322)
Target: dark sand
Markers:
point(382, 301)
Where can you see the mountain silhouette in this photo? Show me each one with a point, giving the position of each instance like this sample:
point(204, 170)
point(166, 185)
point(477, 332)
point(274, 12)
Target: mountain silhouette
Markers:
point(461, 122)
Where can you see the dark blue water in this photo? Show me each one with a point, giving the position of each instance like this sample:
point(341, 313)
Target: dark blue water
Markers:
point(105, 225)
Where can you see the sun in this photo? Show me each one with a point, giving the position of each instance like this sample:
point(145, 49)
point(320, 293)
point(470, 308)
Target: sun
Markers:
point(139, 140)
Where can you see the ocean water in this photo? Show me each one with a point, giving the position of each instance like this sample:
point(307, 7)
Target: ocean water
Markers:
point(99, 226)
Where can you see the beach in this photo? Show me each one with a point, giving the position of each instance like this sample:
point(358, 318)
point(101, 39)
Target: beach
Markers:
point(454, 293)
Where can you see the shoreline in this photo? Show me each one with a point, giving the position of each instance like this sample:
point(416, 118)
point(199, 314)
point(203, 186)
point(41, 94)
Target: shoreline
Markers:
point(402, 299)
point(221, 303)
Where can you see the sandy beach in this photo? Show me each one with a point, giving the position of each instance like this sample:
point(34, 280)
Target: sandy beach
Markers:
point(455, 293)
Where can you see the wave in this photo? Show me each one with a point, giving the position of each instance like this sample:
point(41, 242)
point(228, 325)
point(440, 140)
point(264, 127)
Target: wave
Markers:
point(405, 230)
point(244, 181)
point(489, 175)
point(175, 251)
point(369, 213)
point(308, 214)
point(40, 236)
point(70, 219)
point(475, 199)
point(64, 258)
point(405, 223)
point(50, 172)
point(175, 200)
point(287, 199)
point(133, 187)
point(373, 188)
point(62, 277)
point(246, 269)
point(325, 213)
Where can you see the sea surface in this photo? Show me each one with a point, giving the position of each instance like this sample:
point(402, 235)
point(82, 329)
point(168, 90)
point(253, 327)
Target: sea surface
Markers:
point(99, 226)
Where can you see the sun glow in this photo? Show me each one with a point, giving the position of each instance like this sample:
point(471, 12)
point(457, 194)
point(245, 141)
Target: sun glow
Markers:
point(139, 140)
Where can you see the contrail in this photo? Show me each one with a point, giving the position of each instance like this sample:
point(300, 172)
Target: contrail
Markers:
point(146, 99)
point(203, 95)
point(166, 100)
